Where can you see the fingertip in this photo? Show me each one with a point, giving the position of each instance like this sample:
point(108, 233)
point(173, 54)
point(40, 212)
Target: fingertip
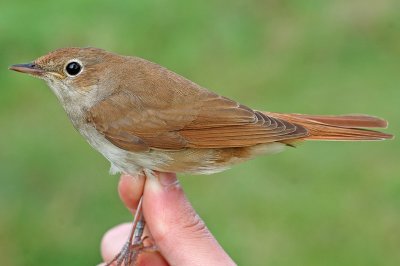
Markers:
point(168, 179)
point(161, 182)
point(113, 240)
point(130, 189)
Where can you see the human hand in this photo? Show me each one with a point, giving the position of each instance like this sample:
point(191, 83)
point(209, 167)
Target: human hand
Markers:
point(173, 226)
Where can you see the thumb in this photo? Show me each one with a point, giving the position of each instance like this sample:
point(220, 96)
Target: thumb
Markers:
point(178, 231)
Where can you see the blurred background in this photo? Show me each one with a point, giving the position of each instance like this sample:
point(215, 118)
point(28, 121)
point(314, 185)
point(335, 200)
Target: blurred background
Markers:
point(325, 203)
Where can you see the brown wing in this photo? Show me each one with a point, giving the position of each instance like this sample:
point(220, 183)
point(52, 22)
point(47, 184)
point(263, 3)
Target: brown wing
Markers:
point(162, 110)
point(132, 123)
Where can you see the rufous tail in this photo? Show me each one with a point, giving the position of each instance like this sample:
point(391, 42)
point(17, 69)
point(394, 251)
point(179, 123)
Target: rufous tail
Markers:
point(339, 127)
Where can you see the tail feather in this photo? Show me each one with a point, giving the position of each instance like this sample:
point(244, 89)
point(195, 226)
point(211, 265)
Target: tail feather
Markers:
point(347, 120)
point(341, 127)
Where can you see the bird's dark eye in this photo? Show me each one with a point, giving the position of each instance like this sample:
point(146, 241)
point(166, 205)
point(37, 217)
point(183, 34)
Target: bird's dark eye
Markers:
point(73, 68)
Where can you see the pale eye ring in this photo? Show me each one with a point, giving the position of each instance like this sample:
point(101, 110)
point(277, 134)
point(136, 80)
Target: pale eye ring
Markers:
point(73, 68)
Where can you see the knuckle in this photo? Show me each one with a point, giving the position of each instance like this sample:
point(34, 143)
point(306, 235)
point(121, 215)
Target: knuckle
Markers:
point(186, 225)
point(195, 225)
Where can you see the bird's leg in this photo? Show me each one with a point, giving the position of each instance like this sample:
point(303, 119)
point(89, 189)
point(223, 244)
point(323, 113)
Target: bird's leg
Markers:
point(137, 246)
point(137, 237)
point(134, 246)
point(126, 252)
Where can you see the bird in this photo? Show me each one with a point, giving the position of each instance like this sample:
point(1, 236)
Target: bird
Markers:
point(143, 117)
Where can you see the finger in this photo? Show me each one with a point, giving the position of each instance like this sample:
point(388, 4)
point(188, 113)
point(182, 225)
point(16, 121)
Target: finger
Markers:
point(177, 230)
point(115, 238)
point(130, 189)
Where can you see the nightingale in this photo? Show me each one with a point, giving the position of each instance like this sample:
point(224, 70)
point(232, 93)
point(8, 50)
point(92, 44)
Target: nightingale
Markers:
point(143, 117)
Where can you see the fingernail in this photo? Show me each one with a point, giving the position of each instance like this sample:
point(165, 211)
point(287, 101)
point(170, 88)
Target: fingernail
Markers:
point(168, 179)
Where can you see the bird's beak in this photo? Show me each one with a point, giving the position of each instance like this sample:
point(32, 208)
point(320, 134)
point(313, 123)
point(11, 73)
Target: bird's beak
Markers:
point(30, 68)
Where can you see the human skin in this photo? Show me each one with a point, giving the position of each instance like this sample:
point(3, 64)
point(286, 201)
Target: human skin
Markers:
point(180, 235)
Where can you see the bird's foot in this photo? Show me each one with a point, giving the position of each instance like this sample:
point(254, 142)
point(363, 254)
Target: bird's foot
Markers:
point(130, 252)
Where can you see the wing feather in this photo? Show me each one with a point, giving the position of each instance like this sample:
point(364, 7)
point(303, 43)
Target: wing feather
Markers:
point(181, 115)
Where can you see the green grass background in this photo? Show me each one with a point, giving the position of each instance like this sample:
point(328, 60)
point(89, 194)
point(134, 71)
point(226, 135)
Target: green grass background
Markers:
point(319, 204)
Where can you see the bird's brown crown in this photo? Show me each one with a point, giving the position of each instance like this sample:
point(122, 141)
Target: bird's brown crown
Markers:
point(56, 61)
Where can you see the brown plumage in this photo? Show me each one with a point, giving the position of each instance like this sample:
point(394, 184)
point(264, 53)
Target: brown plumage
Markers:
point(185, 115)
point(209, 122)
point(143, 117)
point(340, 127)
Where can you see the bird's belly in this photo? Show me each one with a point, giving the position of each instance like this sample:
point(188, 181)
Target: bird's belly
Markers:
point(209, 161)
point(121, 160)
point(190, 160)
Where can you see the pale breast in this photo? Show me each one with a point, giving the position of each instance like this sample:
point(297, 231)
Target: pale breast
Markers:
point(122, 160)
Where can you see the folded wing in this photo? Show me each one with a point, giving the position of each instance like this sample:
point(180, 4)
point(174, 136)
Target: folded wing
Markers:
point(139, 122)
